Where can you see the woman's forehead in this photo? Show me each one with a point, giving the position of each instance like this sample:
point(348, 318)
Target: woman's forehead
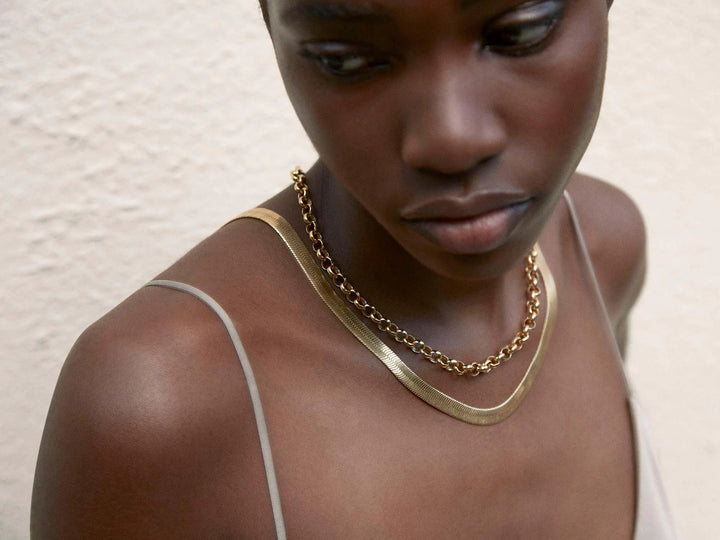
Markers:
point(329, 9)
point(334, 9)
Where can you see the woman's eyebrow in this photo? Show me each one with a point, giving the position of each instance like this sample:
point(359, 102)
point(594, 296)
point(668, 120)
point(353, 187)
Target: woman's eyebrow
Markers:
point(335, 10)
point(465, 4)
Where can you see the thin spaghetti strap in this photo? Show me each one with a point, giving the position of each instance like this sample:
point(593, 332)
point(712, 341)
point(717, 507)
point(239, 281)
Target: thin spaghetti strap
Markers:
point(593, 277)
point(653, 519)
point(252, 387)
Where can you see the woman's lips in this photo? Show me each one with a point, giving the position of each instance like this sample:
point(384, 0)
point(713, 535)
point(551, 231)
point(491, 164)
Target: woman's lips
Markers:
point(472, 234)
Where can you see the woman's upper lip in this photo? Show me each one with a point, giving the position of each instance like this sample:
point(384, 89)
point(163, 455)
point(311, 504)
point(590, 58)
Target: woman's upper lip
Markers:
point(449, 208)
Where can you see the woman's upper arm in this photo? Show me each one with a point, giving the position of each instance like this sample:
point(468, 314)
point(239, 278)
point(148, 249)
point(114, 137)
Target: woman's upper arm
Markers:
point(145, 422)
point(101, 464)
point(615, 235)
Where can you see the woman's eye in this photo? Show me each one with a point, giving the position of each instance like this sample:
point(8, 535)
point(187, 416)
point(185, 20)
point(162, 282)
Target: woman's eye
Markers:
point(524, 30)
point(340, 61)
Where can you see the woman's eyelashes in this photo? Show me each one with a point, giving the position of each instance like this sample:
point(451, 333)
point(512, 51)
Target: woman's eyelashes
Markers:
point(523, 31)
point(345, 60)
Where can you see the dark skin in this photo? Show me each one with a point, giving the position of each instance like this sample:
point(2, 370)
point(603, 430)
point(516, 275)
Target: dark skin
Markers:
point(151, 434)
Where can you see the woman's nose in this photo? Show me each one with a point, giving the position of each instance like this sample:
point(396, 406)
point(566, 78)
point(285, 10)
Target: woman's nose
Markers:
point(451, 121)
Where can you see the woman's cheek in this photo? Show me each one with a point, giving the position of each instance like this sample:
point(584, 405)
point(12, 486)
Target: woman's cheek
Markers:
point(563, 114)
point(355, 134)
point(349, 127)
point(580, 81)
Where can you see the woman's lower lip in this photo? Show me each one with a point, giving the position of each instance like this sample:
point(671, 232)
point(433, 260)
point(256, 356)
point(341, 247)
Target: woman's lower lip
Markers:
point(475, 234)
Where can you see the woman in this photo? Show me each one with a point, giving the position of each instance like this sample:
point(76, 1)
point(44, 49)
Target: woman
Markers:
point(447, 133)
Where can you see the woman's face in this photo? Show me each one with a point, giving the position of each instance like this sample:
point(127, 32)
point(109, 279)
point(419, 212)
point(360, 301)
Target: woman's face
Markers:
point(454, 123)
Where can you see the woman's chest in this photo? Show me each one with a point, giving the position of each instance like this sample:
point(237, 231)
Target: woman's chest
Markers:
point(359, 456)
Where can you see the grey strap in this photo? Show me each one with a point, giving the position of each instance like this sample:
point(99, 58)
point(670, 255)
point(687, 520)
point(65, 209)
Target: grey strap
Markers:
point(252, 387)
point(596, 284)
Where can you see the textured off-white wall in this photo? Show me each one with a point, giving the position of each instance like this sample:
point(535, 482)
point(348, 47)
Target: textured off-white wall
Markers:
point(131, 129)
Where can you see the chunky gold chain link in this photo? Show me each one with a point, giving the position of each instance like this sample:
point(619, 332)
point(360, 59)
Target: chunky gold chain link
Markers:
point(385, 325)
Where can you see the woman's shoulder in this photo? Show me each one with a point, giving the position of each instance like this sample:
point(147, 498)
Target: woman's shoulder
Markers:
point(614, 232)
point(161, 342)
point(151, 406)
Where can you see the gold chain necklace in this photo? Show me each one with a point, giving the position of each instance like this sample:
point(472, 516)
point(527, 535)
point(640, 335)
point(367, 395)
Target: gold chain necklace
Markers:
point(385, 325)
point(349, 318)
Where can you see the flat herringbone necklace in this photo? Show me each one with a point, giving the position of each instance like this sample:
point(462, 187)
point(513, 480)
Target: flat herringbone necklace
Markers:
point(398, 334)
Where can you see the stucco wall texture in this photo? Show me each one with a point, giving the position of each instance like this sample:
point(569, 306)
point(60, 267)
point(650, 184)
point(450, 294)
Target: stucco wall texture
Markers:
point(130, 130)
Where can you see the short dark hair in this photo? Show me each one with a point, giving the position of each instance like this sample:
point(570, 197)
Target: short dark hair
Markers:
point(263, 8)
